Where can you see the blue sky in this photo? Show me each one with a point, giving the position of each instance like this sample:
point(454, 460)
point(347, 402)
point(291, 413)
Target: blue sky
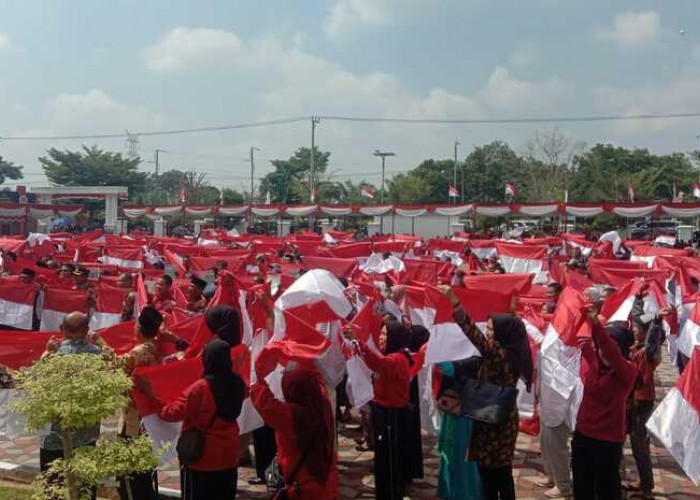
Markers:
point(84, 67)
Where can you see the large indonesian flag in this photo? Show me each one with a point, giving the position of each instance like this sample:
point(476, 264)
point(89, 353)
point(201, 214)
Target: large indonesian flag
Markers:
point(58, 303)
point(17, 304)
point(561, 385)
point(676, 421)
point(108, 309)
point(690, 333)
point(517, 258)
point(130, 258)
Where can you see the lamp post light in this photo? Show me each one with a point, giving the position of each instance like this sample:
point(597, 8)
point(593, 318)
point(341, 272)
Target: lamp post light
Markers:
point(382, 155)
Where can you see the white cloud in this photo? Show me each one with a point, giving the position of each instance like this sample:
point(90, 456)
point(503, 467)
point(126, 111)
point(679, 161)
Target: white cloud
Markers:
point(523, 57)
point(696, 53)
point(4, 41)
point(185, 48)
point(633, 29)
point(506, 93)
point(345, 16)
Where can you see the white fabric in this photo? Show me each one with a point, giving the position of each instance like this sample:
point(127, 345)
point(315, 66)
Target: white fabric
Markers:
point(167, 210)
point(208, 243)
point(430, 416)
point(520, 266)
point(133, 213)
point(676, 424)
point(484, 252)
point(681, 212)
point(375, 210)
point(99, 320)
point(41, 213)
point(264, 212)
point(16, 314)
point(454, 210)
point(115, 261)
point(360, 389)
point(198, 212)
point(13, 212)
point(561, 387)
point(493, 211)
point(51, 320)
point(649, 259)
point(688, 338)
point(410, 213)
point(584, 211)
point(665, 240)
point(614, 238)
point(377, 265)
point(35, 239)
point(301, 211)
point(538, 210)
point(233, 210)
point(249, 419)
point(447, 342)
point(337, 211)
point(448, 254)
point(634, 211)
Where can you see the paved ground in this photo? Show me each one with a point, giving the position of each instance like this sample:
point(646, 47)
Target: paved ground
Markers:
point(355, 467)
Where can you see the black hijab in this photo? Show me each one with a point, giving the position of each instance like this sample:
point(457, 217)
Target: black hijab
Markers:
point(419, 336)
point(509, 331)
point(622, 337)
point(398, 337)
point(227, 387)
point(225, 322)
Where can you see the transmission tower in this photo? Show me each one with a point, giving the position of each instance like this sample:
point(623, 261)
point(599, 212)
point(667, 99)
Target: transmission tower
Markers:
point(132, 144)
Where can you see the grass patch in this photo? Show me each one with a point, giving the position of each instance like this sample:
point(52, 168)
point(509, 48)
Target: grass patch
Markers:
point(14, 493)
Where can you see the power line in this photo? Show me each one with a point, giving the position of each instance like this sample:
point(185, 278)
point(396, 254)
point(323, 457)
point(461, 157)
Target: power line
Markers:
point(444, 121)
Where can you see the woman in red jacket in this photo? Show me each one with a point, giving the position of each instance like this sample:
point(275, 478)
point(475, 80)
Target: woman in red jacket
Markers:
point(390, 411)
point(601, 424)
point(212, 405)
point(304, 431)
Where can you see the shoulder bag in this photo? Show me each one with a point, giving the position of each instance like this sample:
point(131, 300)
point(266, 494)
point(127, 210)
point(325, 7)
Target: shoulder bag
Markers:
point(190, 445)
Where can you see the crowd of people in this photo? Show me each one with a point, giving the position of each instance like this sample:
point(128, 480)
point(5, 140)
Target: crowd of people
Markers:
point(296, 447)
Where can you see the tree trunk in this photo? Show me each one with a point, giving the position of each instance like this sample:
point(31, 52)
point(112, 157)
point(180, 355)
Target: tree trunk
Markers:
point(67, 455)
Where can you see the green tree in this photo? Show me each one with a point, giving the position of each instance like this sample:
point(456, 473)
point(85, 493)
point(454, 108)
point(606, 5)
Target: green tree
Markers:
point(289, 182)
point(488, 168)
point(75, 392)
point(93, 167)
point(438, 175)
point(548, 160)
point(407, 188)
point(9, 170)
point(232, 197)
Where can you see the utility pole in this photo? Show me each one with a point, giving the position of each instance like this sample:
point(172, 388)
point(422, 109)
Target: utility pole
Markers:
point(454, 181)
point(312, 180)
point(253, 149)
point(157, 159)
point(383, 155)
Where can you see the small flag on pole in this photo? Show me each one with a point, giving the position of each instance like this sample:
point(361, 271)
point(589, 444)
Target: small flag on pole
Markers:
point(696, 190)
point(630, 193)
point(183, 197)
point(367, 191)
point(511, 190)
point(313, 195)
point(453, 192)
point(267, 198)
point(221, 196)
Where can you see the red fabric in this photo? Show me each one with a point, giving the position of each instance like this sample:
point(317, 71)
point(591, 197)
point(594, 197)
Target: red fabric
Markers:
point(603, 411)
point(392, 377)
point(66, 301)
point(646, 368)
point(336, 266)
point(689, 381)
point(110, 299)
point(20, 349)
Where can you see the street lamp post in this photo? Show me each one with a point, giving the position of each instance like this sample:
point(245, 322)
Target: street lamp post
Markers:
point(383, 155)
point(454, 179)
point(253, 149)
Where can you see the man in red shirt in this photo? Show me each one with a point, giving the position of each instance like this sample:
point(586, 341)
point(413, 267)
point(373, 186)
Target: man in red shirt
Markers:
point(163, 299)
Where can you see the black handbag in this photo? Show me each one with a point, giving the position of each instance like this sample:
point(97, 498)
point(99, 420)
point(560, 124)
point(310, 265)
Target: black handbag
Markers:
point(274, 478)
point(486, 402)
point(190, 445)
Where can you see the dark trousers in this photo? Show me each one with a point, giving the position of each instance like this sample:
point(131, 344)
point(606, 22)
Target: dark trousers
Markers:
point(595, 467)
point(413, 466)
point(211, 485)
point(498, 482)
point(388, 471)
point(640, 442)
point(47, 457)
point(143, 485)
point(265, 449)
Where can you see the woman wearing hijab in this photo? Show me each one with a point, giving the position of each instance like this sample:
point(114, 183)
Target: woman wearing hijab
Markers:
point(211, 404)
point(505, 358)
point(304, 430)
point(224, 322)
point(601, 423)
point(391, 382)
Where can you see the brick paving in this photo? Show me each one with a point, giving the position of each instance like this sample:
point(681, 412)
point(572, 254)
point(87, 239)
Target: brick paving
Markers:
point(356, 481)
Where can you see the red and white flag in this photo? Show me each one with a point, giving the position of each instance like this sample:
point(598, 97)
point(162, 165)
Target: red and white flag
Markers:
point(313, 195)
point(108, 308)
point(453, 192)
point(128, 258)
point(517, 258)
point(511, 190)
point(183, 196)
point(561, 385)
point(696, 190)
point(367, 191)
point(690, 333)
point(58, 303)
point(676, 421)
point(630, 193)
point(17, 304)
